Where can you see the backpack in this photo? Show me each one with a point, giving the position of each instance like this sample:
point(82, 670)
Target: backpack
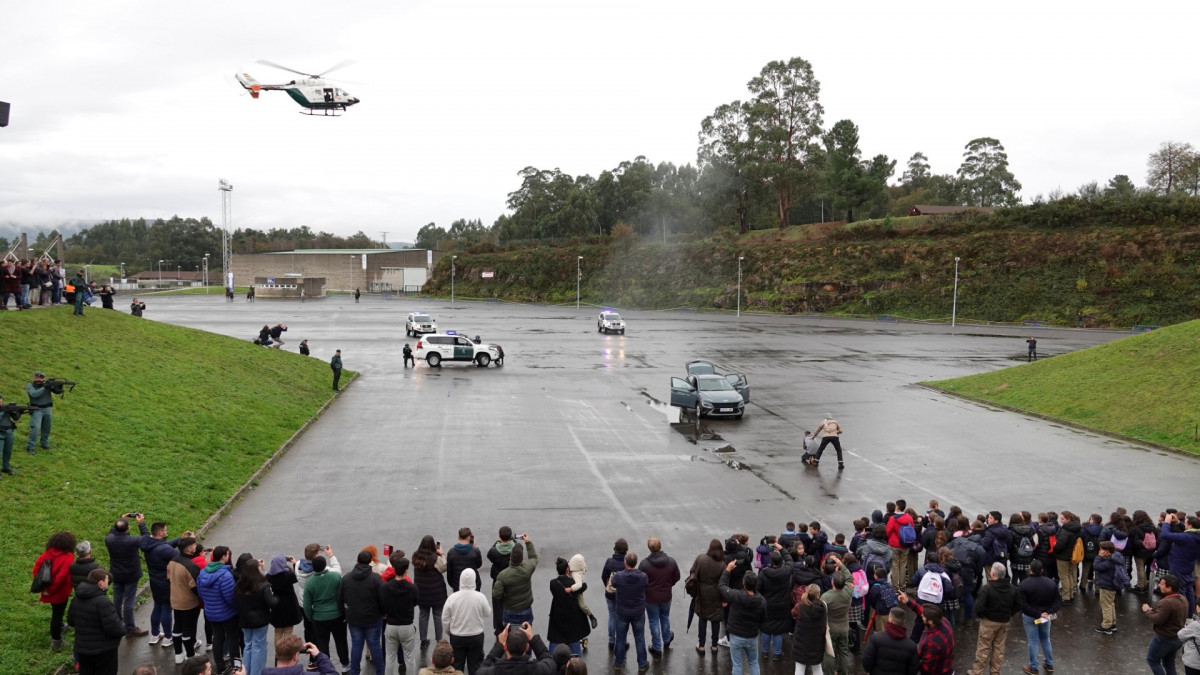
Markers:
point(1025, 548)
point(887, 599)
point(1091, 546)
point(1120, 574)
point(931, 587)
point(1077, 551)
point(1120, 544)
point(860, 586)
point(999, 549)
point(1150, 541)
point(690, 585)
point(874, 559)
point(43, 579)
point(908, 534)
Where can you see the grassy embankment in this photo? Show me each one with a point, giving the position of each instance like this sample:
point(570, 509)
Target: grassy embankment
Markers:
point(1143, 386)
point(1099, 272)
point(167, 421)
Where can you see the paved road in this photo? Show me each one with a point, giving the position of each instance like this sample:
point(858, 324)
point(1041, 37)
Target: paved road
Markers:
point(570, 441)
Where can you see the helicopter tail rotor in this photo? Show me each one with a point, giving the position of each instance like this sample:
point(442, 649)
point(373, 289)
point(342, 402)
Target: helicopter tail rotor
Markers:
point(249, 84)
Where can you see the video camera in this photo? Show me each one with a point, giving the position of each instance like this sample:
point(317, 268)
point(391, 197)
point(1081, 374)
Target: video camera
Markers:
point(56, 386)
point(13, 408)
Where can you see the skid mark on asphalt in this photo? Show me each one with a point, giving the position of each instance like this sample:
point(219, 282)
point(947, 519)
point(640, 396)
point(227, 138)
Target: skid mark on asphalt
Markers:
point(602, 481)
point(942, 498)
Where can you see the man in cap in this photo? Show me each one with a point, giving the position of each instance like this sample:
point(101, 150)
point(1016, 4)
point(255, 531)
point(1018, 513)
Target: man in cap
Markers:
point(42, 417)
point(80, 284)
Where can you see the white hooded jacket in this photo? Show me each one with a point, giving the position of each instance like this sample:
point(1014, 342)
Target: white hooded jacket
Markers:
point(467, 611)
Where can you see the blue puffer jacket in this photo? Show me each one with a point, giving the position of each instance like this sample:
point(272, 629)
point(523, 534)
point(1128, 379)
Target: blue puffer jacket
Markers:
point(1185, 550)
point(215, 586)
point(631, 592)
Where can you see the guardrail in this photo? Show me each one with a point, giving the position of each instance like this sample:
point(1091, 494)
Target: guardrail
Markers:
point(1144, 328)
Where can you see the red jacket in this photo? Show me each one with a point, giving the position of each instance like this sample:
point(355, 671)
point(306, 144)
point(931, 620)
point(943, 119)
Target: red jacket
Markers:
point(60, 575)
point(893, 528)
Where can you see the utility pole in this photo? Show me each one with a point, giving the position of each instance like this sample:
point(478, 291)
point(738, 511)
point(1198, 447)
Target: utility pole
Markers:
point(954, 307)
point(385, 239)
point(226, 190)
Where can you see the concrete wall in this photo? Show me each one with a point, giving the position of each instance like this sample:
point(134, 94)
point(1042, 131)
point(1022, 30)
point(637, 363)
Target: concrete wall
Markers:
point(340, 272)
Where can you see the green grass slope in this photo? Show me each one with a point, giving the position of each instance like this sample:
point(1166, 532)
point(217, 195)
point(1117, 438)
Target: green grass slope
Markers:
point(165, 420)
point(1144, 386)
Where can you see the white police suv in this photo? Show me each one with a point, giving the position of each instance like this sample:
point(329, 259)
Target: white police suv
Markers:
point(610, 322)
point(435, 348)
point(418, 323)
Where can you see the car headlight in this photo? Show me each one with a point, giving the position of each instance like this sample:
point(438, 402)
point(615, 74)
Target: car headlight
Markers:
point(705, 404)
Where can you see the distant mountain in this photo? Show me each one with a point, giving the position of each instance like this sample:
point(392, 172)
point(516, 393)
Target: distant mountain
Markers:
point(11, 230)
point(400, 244)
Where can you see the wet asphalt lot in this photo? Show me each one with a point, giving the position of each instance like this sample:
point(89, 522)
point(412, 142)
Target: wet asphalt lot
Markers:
point(571, 442)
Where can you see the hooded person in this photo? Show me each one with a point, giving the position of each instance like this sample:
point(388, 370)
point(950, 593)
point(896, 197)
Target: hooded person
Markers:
point(98, 629)
point(282, 578)
point(465, 618)
point(775, 586)
point(568, 623)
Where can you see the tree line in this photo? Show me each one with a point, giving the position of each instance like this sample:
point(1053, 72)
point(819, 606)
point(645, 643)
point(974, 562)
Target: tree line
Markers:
point(181, 242)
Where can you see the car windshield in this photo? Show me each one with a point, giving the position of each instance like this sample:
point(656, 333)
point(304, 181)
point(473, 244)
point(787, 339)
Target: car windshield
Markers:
point(715, 385)
point(421, 318)
point(612, 317)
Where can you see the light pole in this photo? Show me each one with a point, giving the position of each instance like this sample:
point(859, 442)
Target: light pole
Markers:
point(352, 273)
point(206, 272)
point(453, 258)
point(578, 277)
point(178, 272)
point(160, 262)
point(87, 272)
point(739, 291)
point(954, 307)
point(122, 272)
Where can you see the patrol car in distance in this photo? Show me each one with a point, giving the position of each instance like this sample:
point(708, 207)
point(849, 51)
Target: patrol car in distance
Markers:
point(418, 323)
point(610, 322)
point(435, 348)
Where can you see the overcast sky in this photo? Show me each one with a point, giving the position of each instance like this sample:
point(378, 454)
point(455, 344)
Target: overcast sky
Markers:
point(128, 109)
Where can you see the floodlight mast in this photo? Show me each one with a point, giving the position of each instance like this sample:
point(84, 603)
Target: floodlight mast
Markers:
point(226, 190)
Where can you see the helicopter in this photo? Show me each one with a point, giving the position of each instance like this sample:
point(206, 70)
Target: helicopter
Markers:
point(316, 95)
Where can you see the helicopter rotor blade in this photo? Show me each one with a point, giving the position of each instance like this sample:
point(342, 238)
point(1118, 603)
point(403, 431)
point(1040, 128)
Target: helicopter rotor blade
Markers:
point(343, 64)
point(290, 70)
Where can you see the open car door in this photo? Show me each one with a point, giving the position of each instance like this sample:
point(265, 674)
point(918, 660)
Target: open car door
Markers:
point(742, 385)
point(683, 395)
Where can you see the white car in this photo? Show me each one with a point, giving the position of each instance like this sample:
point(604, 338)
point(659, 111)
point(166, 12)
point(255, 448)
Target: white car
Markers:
point(438, 347)
point(418, 323)
point(610, 322)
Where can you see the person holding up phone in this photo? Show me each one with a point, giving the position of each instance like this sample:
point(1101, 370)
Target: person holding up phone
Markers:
point(513, 645)
point(513, 587)
point(287, 658)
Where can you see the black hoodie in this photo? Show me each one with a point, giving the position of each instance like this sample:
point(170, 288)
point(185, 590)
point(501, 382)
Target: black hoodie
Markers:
point(358, 596)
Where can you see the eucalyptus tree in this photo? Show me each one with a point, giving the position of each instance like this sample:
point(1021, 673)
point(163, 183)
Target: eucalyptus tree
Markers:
point(984, 175)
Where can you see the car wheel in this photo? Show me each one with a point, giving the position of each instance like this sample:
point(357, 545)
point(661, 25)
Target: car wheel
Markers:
point(434, 360)
point(740, 415)
point(622, 331)
point(483, 360)
point(599, 328)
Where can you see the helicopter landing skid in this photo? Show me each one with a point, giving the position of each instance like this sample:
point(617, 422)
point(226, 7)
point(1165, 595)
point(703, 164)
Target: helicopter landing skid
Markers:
point(322, 112)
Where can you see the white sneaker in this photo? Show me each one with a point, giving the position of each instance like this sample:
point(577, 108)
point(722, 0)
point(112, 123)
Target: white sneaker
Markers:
point(154, 639)
point(166, 642)
point(200, 647)
point(724, 641)
point(179, 658)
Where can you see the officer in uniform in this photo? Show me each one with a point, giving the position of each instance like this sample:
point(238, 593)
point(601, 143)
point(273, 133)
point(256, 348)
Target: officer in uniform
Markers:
point(43, 404)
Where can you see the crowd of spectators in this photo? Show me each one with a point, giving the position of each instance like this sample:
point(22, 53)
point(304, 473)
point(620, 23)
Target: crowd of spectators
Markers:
point(896, 591)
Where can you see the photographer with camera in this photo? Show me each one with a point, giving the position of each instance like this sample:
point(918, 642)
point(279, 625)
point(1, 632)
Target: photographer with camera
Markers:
point(42, 416)
point(9, 414)
point(136, 308)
